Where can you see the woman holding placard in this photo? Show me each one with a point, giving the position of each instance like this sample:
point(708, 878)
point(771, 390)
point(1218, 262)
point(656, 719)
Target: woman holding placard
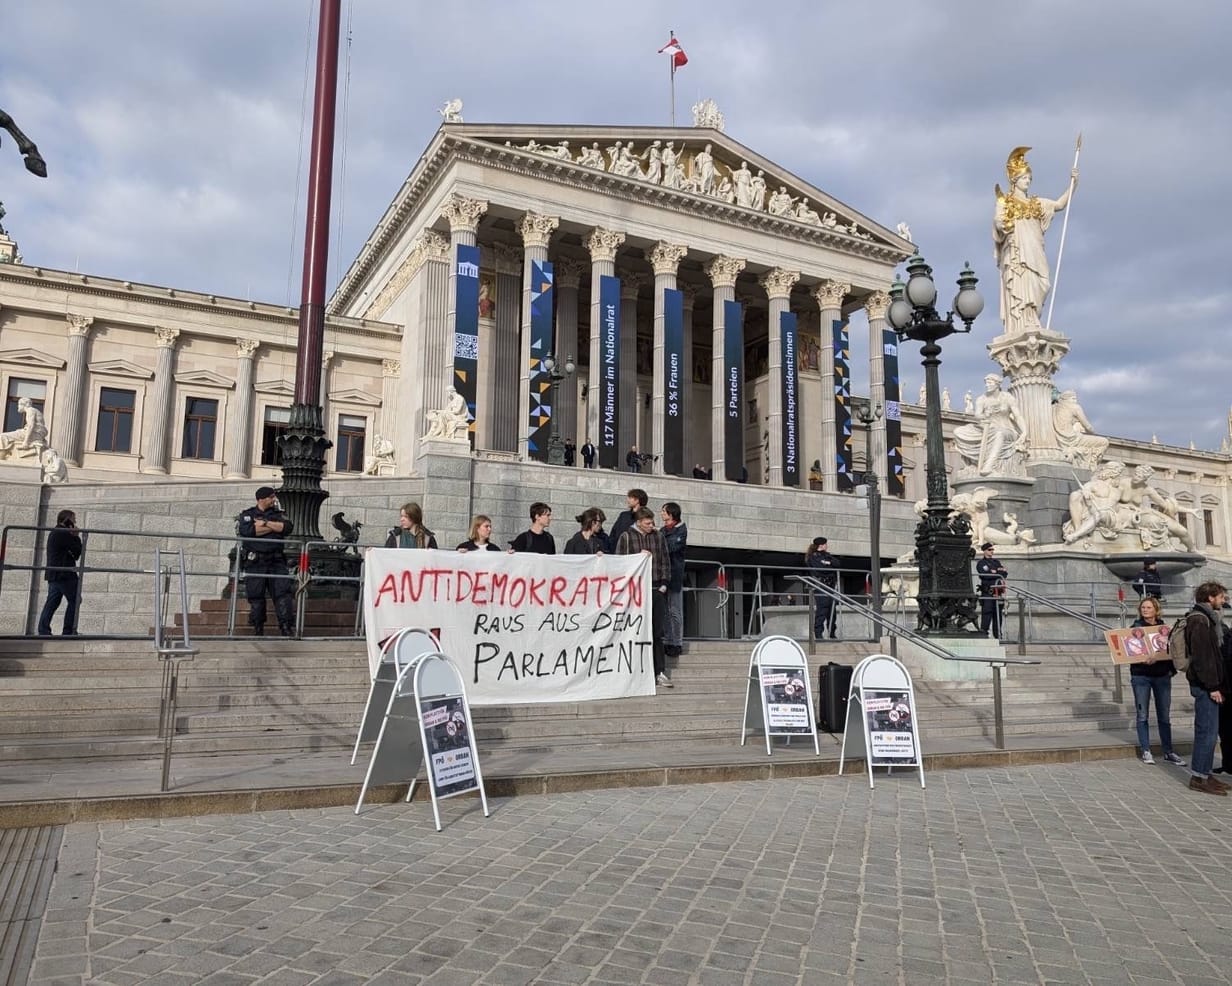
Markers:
point(1153, 677)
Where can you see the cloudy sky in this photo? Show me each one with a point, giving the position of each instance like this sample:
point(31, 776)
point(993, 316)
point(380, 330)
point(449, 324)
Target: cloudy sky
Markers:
point(172, 132)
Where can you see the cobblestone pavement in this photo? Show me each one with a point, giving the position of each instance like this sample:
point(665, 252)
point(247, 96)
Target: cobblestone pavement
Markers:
point(1049, 874)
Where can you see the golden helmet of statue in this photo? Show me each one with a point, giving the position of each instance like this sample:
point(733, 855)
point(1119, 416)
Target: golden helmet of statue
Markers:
point(1017, 163)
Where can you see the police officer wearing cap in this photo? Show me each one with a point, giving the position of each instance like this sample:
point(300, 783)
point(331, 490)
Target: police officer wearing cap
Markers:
point(825, 570)
point(992, 576)
point(264, 529)
point(1147, 581)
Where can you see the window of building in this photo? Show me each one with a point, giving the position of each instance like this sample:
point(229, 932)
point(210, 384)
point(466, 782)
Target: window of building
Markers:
point(36, 390)
point(277, 420)
point(200, 426)
point(115, 420)
point(1208, 526)
point(351, 431)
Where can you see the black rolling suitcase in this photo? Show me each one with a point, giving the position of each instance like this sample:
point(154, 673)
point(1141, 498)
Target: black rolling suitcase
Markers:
point(833, 684)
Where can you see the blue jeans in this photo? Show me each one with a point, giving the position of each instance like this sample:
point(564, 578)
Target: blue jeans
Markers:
point(61, 590)
point(1206, 731)
point(1143, 688)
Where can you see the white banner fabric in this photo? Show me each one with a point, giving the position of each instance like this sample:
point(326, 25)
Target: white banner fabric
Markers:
point(520, 628)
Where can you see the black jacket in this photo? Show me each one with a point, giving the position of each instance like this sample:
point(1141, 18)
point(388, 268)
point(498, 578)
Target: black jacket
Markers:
point(622, 524)
point(1202, 640)
point(677, 539)
point(1163, 668)
point(578, 545)
point(1148, 582)
point(63, 550)
point(826, 566)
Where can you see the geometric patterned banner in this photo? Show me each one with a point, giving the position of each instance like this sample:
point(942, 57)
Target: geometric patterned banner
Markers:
point(842, 407)
point(608, 397)
point(539, 425)
point(791, 426)
point(674, 365)
point(896, 484)
point(466, 331)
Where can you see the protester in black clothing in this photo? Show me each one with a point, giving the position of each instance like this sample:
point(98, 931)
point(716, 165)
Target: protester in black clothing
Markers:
point(1225, 708)
point(1152, 679)
point(588, 454)
point(590, 539)
point(992, 576)
point(642, 537)
point(825, 570)
point(1208, 682)
point(537, 540)
point(63, 552)
point(481, 535)
point(635, 499)
point(263, 529)
point(410, 532)
point(676, 536)
point(633, 459)
point(1147, 581)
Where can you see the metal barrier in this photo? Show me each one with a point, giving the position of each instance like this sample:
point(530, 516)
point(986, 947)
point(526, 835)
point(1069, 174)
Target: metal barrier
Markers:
point(170, 652)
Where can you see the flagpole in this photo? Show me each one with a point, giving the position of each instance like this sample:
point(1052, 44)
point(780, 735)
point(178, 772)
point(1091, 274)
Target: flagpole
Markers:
point(1064, 226)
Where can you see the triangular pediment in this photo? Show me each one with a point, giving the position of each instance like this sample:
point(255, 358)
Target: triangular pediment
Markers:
point(354, 396)
point(203, 378)
point(275, 388)
point(31, 357)
point(121, 368)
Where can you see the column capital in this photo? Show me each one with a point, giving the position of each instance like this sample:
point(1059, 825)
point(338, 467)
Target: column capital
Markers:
point(245, 348)
point(631, 284)
point(164, 337)
point(537, 229)
point(508, 258)
point(779, 282)
point(569, 272)
point(830, 294)
point(723, 271)
point(463, 213)
point(603, 243)
point(665, 257)
point(434, 245)
point(876, 304)
point(326, 357)
point(78, 325)
point(391, 367)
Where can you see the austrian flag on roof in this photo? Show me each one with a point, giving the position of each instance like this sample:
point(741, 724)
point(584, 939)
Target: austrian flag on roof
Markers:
point(679, 58)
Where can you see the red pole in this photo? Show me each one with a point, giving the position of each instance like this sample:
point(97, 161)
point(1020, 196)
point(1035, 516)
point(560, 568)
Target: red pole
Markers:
point(316, 236)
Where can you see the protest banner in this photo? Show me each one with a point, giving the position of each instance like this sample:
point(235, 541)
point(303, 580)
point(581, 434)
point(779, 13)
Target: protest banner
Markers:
point(1138, 645)
point(520, 628)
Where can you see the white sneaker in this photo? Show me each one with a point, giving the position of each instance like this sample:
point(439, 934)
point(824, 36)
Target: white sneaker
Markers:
point(1174, 759)
point(1146, 757)
point(664, 681)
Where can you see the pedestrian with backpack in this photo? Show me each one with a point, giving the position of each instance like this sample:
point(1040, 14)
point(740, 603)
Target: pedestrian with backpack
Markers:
point(1153, 678)
point(1208, 682)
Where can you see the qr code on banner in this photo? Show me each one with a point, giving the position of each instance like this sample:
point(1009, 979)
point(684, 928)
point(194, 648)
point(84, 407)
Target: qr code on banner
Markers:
point(465, 346)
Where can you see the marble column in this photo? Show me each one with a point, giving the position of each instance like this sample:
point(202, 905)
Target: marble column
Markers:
point(391, 412)
point(687, 402)
point(829, 296)
point(1031, 360)
point(158, 414)
point(602, 245)
point(631, 284)
point(67, 423)
point(568, 280)
point(426, 271)
point(536, 230)
point(722, 272)
point(778, 284)
point(237, 445)
point(875, 306)
point(463, 215)
point(665, 259)
point(505, 370)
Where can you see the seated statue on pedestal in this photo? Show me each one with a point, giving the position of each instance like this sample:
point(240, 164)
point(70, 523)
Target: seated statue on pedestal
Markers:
point(451, 422)
point(1079, 443)
point(1123, 507)
point(381, 461)
point(975, 505)
point(28, 440)
point(995, 445)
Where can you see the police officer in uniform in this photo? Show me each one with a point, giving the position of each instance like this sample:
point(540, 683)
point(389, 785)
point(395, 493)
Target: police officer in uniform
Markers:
point(992, 589)
point(267, 526)
point(1147, 581)
point(825, 571)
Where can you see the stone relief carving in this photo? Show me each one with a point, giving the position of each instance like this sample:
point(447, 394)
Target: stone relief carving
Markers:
point(974, 503)
point(451, 422)
point(706, 114)
point(1079, 444)
point(451, 112)
point(996, 443)
point(1116, 506)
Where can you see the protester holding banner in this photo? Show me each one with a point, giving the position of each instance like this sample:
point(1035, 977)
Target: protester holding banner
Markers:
point(480, 538)
point(642, 537)
point(590, 539)
point(676, 537)
point(537, 540)
point(1153, 677)
point(410, 532)
point(636, 500)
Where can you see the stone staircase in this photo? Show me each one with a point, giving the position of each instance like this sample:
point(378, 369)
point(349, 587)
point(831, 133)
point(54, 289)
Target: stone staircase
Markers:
point(323, 617)
point(100, 699)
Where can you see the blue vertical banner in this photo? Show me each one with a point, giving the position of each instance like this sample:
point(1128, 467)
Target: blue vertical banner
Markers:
point(466, 331)
point(609, 372)
point(539, 424)
point(896, 481)
point(789, 341)
point(673, 382)
point(842, 407)
point(733, 391)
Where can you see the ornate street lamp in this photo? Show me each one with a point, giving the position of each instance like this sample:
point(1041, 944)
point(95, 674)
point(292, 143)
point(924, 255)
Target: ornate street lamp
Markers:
point(942, 542)
point(868, 413)
point(25, 146)
point(556, 449)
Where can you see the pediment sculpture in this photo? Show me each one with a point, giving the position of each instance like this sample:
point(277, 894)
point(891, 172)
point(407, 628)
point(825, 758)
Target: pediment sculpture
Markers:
point(995, 444)
point(1124, 507)
point(450, 423)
